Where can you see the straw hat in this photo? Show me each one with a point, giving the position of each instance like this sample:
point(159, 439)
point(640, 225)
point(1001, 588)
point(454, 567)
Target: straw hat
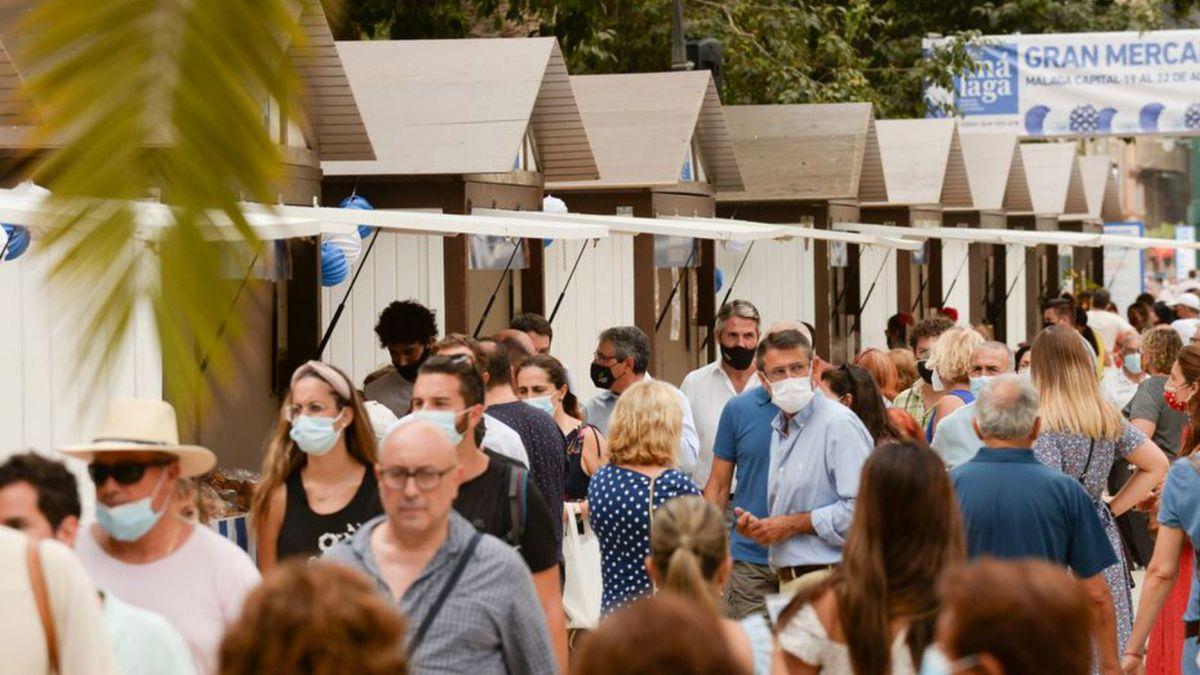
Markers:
point(144, 425)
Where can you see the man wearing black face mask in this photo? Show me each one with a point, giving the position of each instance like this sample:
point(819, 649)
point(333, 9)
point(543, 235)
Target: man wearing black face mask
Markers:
point(407, 330)
point(708, 389)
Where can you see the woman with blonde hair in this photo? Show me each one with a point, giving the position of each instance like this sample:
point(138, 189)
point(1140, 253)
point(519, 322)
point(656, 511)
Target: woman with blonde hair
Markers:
point(639, 477)
point(950, 362)
point(317, 483)
point(689, 555)
point(1083, 435)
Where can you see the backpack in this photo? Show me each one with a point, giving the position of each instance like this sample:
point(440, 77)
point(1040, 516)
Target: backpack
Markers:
point(518, 480)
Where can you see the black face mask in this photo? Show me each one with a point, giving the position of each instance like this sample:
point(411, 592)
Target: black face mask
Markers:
point(1048, 324)
point(602, 376)
point(409, 372)
point(738, 357)
point(925, 372)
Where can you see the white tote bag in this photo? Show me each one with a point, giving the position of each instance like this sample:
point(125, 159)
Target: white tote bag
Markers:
point(581, 560)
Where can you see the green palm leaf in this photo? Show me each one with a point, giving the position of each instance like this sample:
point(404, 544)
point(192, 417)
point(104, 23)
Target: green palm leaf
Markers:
point(155, 98)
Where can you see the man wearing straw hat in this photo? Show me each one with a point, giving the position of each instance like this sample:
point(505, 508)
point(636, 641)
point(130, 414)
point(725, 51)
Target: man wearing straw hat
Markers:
point(141, 551)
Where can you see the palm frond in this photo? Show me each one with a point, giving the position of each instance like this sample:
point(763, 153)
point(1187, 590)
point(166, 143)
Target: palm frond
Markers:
point(144, 98)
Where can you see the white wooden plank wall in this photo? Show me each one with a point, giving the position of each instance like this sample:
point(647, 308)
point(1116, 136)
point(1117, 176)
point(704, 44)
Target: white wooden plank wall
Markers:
point(401, 267)
point(954, 261)
point(883, 300)
point(600, 296)
point(1015, 324)
point(777, 279)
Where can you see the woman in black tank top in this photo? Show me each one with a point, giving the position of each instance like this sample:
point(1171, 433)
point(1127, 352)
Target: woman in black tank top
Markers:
point(318, 482)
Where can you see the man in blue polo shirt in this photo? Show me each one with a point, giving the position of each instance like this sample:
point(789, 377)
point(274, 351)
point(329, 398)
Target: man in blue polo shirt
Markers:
point(1015, 507)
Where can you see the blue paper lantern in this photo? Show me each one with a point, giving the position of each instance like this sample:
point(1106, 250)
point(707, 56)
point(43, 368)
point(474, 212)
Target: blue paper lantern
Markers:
point(720, 279)
point(18, 241)
point(546, 243)
point(359, 202)
point(334, 268)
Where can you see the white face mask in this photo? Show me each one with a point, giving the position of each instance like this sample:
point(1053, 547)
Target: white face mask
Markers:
point(792, 394)
point(938, 384)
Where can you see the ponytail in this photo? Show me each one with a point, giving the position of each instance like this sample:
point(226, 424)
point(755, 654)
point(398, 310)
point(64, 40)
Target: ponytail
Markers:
point(685, 577)
point(688, 545)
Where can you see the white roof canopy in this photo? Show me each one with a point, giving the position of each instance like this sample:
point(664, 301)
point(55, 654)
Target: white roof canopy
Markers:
point(796, 231)
point(518, 224)
point(1120, 241)
point(1026, 238)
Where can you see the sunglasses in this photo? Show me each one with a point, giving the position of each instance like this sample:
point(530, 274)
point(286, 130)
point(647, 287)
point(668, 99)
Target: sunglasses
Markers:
point(126, 473)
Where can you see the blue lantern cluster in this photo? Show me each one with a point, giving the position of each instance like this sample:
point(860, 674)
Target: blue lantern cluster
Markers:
point(359, 202)
point(18, 241)
point(334, 268)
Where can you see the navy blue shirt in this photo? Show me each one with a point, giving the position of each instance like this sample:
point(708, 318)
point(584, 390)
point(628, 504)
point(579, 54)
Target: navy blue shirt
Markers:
point(1015, 507)
point(744, 439)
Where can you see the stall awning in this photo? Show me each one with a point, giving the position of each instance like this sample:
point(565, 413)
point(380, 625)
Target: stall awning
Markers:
point(32, 209)
point(526, 224)
point(710, 228)
point(1026, 238)
point(1146, 242)
point(799, 232)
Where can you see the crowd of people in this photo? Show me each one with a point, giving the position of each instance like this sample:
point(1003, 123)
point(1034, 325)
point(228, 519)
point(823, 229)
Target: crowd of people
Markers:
point(942, 506)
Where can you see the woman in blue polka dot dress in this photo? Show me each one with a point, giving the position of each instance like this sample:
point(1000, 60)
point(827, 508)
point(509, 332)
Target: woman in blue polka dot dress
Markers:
point(643, 442)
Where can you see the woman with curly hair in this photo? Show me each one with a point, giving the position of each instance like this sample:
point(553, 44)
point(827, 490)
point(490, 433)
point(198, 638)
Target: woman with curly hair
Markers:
point(950, 362)
point(320, 619)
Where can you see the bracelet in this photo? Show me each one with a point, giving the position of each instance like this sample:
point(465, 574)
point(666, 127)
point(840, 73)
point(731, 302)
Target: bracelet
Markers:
point(1136, 655)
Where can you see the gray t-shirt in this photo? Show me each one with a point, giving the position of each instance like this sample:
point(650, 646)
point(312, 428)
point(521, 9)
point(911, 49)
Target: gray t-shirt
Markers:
point(391, 390)
point(1148, 404)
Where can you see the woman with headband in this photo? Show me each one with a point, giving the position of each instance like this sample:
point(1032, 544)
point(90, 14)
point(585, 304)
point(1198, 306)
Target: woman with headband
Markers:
point(317, 484)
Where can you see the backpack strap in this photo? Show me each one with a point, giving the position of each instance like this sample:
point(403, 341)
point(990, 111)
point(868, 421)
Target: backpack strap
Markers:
point(451, 582)
point(518, 480)
point(41, 596)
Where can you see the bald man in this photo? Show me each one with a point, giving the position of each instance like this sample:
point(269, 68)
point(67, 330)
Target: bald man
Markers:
point(420, 547)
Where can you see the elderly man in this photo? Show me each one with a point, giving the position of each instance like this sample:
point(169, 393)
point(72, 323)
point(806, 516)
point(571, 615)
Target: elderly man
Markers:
point(1187, 308)
point(1015, 507)
point(818, 448)
point(140, 550)
point(955, 440)
point(39, 497)
point(709, 388)
point(469, 601)
point(1120, 382)
point(620, 361)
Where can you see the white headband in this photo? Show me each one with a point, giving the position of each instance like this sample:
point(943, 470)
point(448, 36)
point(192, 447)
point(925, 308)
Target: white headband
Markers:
point(335, 379)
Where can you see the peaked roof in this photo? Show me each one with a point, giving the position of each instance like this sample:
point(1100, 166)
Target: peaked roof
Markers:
point(1055, 183)
point(995, 171)
point(1096, 171)
point(1111, 209)
point(923, 162)
point(806, 152)
point(463, 106)
point(641, 126)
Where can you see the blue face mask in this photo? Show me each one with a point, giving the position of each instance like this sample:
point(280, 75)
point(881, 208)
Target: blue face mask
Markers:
point(935, 662)
point(543, 403)
point(1133, 363)
point(978, 383)
point(315, 435)
point(128, 522)
point(446, 420)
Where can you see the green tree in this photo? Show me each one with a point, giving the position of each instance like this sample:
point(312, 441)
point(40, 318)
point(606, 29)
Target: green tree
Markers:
point(166, 99)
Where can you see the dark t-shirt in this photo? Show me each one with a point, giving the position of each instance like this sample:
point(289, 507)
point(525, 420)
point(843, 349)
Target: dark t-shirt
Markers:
point(1015, 507)
point(306, 533)
point(545, 445)
point(484, 502)
point(1148, 404)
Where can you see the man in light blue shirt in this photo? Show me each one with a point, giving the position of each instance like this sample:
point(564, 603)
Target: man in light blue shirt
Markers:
point(620, 362)
point(818, 448)
point(955, 440)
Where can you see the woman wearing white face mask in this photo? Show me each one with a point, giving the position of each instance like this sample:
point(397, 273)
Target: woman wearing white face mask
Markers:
point(317, 485)
point(542, 383)
point(950, 363)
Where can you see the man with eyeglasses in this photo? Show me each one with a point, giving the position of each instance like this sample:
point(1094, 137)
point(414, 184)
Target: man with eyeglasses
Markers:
point(621, 359)
point(497, 495)
point(468, 598)
point(140, 550)
point(816, 453)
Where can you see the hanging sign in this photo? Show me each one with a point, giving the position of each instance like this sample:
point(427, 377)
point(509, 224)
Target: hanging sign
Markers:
point(1078, 84)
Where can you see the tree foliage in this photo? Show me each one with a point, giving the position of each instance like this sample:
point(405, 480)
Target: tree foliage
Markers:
point(776, 51)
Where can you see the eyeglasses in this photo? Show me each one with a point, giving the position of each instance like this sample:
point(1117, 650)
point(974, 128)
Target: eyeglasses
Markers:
point(125, 473)
point(312, 409)
point(601, 358)
point(794, 370)
point(396, 477)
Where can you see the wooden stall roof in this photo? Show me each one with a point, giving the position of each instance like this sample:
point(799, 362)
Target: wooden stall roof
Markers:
point(332, 112)
point(641, 126)
point(923, 162)
point(806, 152)
point(1055, 183)
point(1096, 171)
point(995, 171)
point(463, 106)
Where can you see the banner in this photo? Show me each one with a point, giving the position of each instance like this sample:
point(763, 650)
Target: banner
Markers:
point(1124, 269)
point(1079, 84)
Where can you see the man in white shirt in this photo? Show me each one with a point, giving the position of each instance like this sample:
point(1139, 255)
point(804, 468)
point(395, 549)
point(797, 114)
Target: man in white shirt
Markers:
point(1121, 381)
point(710, 387)
point(621, 359)
point(1105, 324)
point(140, 550)
point(1187, 309)
point(955, 440)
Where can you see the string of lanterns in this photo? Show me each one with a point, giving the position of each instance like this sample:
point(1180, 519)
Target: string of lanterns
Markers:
point(339, 252)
